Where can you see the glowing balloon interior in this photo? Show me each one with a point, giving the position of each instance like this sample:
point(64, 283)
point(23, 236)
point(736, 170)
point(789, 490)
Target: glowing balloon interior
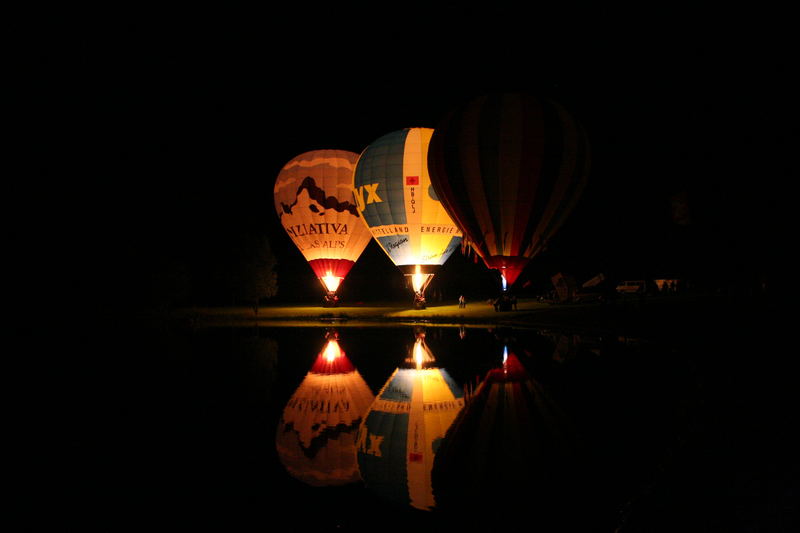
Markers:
point(314, 201)
point(315, 439)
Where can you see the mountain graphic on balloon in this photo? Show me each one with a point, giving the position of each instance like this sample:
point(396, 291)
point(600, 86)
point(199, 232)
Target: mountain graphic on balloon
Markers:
point(321, 201)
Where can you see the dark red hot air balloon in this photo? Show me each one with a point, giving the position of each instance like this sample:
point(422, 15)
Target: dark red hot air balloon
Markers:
point(508, 168)
point(511, 450)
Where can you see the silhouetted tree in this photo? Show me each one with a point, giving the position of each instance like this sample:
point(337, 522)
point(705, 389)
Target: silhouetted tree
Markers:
point(171, 284)
point(255, 277)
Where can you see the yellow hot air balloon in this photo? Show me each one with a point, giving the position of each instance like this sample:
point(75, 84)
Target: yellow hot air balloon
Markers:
point(395, 197)
point(315, 439)
point(404, 427)
point(314, 201)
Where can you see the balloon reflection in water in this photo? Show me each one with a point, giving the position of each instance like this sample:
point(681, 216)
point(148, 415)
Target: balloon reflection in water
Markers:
point(404, 428)
point(505, 446)
point(315, 437)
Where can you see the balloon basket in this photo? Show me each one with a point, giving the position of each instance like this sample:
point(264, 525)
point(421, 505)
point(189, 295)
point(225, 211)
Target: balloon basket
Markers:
point(331, 300)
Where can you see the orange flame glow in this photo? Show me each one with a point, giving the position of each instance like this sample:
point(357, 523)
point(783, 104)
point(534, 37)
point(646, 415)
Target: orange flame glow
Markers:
point(332, 350)
point(421, 354)
point(331, 282)
point(418, 279)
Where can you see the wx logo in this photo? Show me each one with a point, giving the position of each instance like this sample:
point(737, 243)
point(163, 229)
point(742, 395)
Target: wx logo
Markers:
point(374, 445)
point(371, 190)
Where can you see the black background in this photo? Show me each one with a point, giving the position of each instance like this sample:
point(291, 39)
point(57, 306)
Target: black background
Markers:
point(157, 135)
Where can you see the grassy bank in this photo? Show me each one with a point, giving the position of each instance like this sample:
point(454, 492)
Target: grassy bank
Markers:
point(654, 316)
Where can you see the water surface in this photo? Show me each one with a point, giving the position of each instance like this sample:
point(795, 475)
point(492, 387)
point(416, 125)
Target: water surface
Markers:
point(185, 430)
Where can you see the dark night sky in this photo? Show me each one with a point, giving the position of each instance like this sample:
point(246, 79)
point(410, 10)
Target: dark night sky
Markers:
point(159, 136)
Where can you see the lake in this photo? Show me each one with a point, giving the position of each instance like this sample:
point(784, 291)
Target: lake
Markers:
point(397, 427)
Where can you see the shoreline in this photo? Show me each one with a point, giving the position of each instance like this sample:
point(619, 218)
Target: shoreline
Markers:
point(660, 316)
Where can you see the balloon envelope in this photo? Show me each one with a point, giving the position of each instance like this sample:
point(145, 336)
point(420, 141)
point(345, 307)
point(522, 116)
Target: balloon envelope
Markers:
point(394, 195)
point(314, 201)
point(315, 439)
point(508, 169)
point(402, 431)
point(510, 442)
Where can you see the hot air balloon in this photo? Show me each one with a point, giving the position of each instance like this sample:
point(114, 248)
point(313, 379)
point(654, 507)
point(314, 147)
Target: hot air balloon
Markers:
point(394, 195)
point(315, 204)
point(403, 428)
point(315, 439)
point(510, 446)
point(508, 168)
